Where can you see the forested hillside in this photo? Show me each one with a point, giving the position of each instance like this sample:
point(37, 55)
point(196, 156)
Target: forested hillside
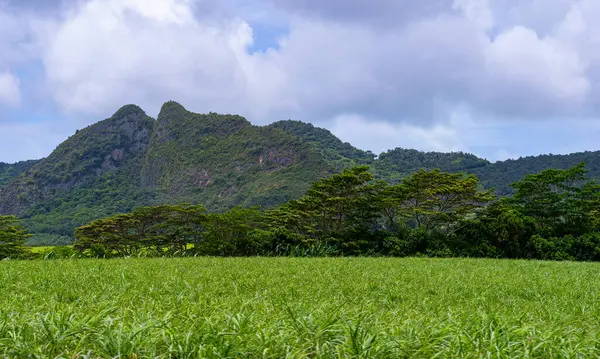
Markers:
point(500, 175)
point(9, 171)
point(94, 173)
point(335, 151)
point(220, 161)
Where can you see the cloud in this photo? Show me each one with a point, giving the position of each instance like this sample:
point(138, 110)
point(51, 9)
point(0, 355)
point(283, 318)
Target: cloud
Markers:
point(9, 89)
point(395, 69)
point(161, 52)
point(437, 56)
point(403, 75)
point(359, 132)
point(379, 13)
point(532, 76)
point(12, 51)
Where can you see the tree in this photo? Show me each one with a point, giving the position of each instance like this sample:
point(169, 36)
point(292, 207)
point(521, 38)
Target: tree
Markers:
point(170, 226)
point(237, 232)
point(151, 228)
point(562, 202)
point(436, 200)
point(342, 209)
point(109, 236)
point(12, 238)
point(499, 231)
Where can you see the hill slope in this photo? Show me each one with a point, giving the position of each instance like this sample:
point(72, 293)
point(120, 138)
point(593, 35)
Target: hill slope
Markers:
point(9, 171)
point(500, 175)
point(94, 173)
point(338, 153)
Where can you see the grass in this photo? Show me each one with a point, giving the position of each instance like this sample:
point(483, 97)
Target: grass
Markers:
point(41, 249)
point(297, 308)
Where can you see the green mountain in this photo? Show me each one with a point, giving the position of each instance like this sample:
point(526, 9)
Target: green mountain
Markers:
point(223, 161)
point(94, 173)
point(395, 164)
point(500, 175)
point(132, 160)
point(220, 161)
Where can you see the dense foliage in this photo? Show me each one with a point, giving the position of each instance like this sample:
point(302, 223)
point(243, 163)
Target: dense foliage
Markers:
point(223, 161)
point(8, 172)
point(553, 215)
point(220, 161)
point(341, 154)
point(131, 160)
point(395, 164)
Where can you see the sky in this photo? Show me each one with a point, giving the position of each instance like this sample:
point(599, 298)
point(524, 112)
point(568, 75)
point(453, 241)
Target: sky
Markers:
point(497, 78)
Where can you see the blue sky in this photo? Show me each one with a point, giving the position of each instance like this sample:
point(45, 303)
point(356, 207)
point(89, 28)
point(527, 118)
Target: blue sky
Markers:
point(498, 78)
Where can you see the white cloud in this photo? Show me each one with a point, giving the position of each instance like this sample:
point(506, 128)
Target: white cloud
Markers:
point(411, 72)
point(542, 67)
point(12, 51)
point(108, 53)
point(478, 11)
point(399, 68)
point(9, 89)
point(360, 132)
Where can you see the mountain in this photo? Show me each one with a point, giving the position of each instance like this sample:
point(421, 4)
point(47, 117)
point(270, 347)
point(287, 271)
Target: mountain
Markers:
point(94, 173)
point(393, 165)
point(223, 161)
point(220, 161)
point(500, 175)
point(131, 160)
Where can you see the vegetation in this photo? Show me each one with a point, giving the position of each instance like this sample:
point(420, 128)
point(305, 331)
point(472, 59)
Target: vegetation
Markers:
point(12, 238)
point(298, 308)
point(131, 160)
point(290, 189)
point(93, 174)
point(220, 161)
point(398, 163)
point(341, 154)
point(10, 171)
point(553, 215)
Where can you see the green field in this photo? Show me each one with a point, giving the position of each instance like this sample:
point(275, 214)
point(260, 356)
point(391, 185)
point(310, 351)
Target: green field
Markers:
point(296, 308)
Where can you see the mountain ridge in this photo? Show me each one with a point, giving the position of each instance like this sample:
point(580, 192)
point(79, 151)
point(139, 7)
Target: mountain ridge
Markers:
point(220, 161)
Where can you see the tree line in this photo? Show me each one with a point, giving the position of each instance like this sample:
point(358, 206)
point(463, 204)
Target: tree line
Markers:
point(553, 215)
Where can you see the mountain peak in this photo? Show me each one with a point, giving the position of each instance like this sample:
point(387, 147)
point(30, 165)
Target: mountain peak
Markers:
point(129, 110)
point(171, 109)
